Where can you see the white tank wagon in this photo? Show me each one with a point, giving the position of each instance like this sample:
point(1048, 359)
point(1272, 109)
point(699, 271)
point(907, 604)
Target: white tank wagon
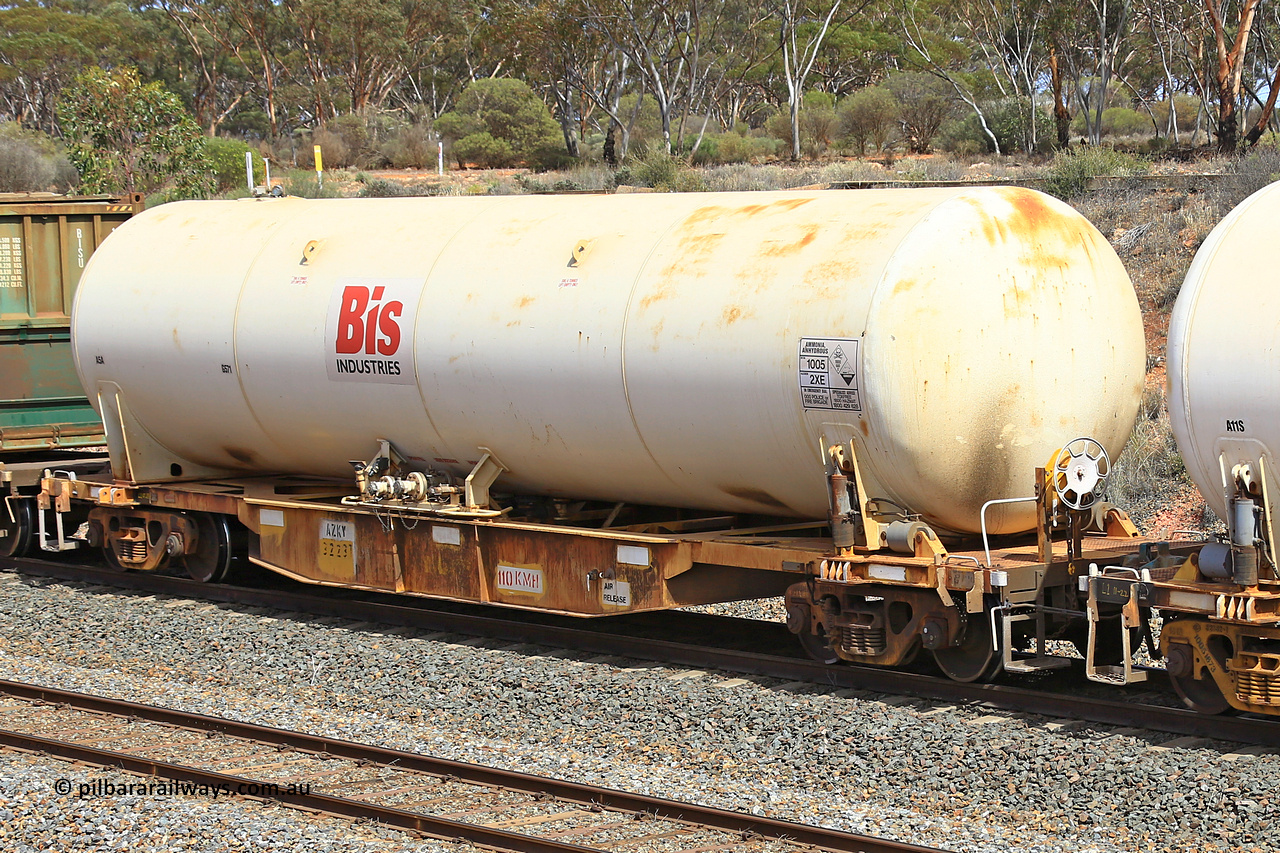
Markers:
point(676, 399)
point(677, 350)
point(1222, 629)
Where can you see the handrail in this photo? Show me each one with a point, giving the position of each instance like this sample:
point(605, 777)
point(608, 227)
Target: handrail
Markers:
point(986, 546)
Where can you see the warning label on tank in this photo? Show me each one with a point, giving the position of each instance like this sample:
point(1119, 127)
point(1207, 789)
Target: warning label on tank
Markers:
point(828, 370)
point(370, 330)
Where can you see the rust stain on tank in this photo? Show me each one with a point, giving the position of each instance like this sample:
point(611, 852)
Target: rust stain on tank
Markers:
point(1030, 220)
point(733, 314)
point(665, 292)
point(865, 427)
point(525, 302)
point(747, 211)
point(779, 249)
point(791, 203)
point(704, 214)
point(825, 280)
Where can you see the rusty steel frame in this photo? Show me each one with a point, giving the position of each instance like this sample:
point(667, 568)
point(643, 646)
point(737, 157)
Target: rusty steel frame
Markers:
point(607, 798)
point(400, 553)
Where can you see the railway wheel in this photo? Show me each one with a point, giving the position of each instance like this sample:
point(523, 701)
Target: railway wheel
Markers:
point(1199, 694)
point(975, 659)
point(214, 556)
point(112, 559)
point(18, 523)
point(816, 646)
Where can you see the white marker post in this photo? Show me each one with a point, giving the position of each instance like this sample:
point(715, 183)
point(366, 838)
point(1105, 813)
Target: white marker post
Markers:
point(248, 169)
point(440, 157)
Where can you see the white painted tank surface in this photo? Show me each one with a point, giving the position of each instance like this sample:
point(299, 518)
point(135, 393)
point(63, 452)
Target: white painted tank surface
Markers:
point(672, 349)
point(1223, 358)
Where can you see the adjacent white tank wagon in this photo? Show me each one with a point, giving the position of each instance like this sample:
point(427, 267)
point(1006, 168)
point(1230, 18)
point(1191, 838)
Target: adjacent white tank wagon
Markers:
point(1223, 643)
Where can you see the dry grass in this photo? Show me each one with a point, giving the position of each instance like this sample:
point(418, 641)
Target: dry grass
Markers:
point(1150, 470)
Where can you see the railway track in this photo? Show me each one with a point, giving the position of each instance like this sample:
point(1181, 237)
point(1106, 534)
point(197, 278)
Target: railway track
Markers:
point(637, 640)
point(448, 800)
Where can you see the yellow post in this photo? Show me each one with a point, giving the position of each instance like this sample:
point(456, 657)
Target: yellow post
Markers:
point(319, 167)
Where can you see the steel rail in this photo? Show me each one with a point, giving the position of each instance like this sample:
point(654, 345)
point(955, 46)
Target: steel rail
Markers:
point(1242, 729)
point(588, 795)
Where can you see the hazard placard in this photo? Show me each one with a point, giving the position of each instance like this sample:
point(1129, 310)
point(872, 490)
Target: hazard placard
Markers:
point(828, 373)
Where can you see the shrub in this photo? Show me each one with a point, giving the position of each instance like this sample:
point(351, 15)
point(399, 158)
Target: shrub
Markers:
point(501, 122)
point(1069, 174)
point(356, 141)
point(1244, 176)
point(334, 153)
point(484, 150)
point(23, 168)
point(868, 115)
point(734, 147)
point(381, 188)
point(818, 124)
point(657, 170)
point(1122, 121)
point(963, 137)
point(1186, 108)
point(411, 147)
point(1011, 120)
point(303, 184)
point(226, 156)
point(925, 103)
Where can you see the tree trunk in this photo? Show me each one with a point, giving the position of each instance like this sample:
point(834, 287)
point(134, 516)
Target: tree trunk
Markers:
point(1268, 109)
point(795, 128)
point(1061, 115)
point(1230, 69)
point(610, 156)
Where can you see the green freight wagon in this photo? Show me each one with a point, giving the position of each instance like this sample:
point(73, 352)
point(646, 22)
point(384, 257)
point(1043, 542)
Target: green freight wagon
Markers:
point(45, 242)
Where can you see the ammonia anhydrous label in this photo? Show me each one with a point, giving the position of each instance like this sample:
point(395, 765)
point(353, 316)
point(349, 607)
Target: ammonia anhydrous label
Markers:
point(829, 374)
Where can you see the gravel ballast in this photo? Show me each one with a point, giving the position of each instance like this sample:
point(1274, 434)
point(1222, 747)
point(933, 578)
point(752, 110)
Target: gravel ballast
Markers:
point(958, 778)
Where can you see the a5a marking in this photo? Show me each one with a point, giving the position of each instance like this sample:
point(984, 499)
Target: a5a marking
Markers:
point(1235, 426)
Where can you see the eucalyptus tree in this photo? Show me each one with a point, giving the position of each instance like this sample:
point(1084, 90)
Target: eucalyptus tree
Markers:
point(365, 47)
point(213, 41)
point(803, 26)
point(42, 49)
point(551, 46)
point(124, 135)
point(1231, 24)
point(671, 47)
point(929, 32)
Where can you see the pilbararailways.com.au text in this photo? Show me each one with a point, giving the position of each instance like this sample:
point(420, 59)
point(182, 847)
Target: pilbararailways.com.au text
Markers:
point(104, 788)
